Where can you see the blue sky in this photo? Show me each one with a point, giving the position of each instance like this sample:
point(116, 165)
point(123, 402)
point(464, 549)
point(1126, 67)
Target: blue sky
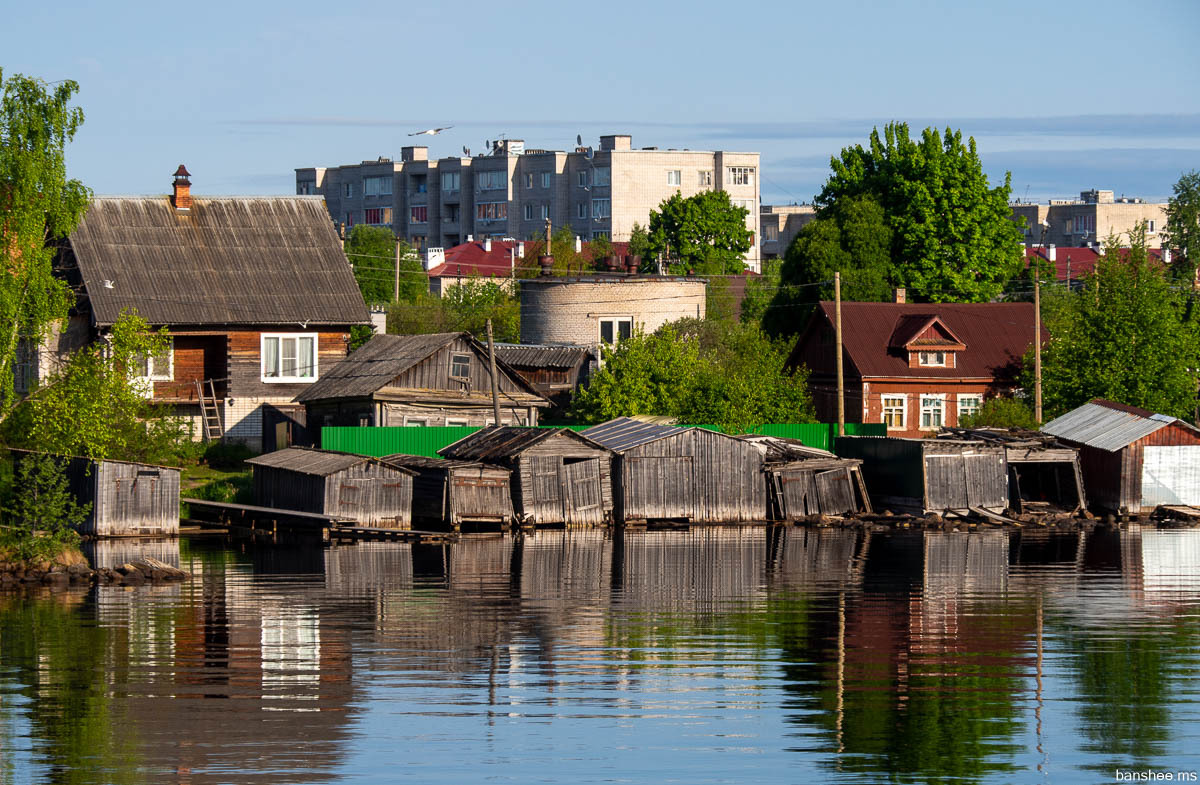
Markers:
point(1065, 95)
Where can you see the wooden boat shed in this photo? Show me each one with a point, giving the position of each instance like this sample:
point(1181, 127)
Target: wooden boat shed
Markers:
point(1132, 460)
point(126, 498)
point(448, 494)
point(920, 476)
point(558, 475)
point(665, 472)
point(341, 485)
point(803, 481)
point(1043, 474)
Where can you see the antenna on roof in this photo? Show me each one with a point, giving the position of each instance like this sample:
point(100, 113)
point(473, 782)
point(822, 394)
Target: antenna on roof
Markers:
point(466, 151)
point(579, 140)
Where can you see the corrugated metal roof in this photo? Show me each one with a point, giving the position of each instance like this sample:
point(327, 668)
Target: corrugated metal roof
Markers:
point(272, 260)
point(1100, 424)
point(504, 441)
point(538, 356)
point(625, 433)
point(319, 463)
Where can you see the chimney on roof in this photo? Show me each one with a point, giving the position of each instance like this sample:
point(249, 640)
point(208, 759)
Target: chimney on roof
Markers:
point(900, 295)
point(487, 245)
point(521, 250)
point(181, 198)
point(578, 244)
point(1052, 253)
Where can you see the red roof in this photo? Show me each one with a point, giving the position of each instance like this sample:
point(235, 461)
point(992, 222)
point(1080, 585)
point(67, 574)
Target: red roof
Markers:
point(471, 259)
point(996, 336)
point(1077, 261)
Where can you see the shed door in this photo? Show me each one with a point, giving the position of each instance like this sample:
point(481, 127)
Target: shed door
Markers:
point(353, 499)
point(581, 481)
point(1170, 475)
point(835, 491)
point(658, 486)
point(546, 506)
point(987, 480)
point(945, 483)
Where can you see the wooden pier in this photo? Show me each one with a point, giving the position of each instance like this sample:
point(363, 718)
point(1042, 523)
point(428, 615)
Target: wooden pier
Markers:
point(273, 520)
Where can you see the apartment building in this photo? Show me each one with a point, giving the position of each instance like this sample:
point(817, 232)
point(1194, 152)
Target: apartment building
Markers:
point(1090, 219)
point(511, 191)
point(780, 225)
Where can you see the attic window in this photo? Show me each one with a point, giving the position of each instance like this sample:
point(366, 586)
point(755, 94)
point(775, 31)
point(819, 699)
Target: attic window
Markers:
point(932, 359)
point(460, 366)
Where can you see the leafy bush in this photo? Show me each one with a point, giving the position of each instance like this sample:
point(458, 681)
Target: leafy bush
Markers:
point(1002, 413)
point(227, 455)
point(237, 489)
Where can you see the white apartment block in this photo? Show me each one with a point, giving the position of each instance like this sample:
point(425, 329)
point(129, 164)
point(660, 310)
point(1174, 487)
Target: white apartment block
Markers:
point(512, 191)
point(1090, 219)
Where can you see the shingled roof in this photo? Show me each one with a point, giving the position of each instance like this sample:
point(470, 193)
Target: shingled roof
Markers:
point(272, 260)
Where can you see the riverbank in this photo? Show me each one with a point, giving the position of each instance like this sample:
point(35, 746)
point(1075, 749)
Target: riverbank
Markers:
point(71, 567)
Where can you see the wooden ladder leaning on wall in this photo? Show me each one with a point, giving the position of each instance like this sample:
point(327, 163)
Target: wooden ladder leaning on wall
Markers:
point(210, 415)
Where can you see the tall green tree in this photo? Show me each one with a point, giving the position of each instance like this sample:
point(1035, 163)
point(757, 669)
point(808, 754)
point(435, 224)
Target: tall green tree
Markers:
point(952, 237)
point(1182, 234)
point(372, 254)
point(1127, 335)
point(852, 237)
point(466, 306)
point(706, 233)
point(39, 206)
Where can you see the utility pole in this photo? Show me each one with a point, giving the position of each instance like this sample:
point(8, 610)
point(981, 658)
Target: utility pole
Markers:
point(837, 323)
point(1037, 345)
point(492, 363)
point(396, 287)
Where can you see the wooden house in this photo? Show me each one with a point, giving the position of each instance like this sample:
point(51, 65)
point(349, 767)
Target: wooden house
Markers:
point(664, 472)
point(126, 498)
point(919, 476)
point(420, 380)
point(1043, 474)
point(449, 494)
point(915, 367)
point(1132, 460)
point(558, 476)
point(342, 485)
point(255, 292)
point(803, 481)
point(554, 371)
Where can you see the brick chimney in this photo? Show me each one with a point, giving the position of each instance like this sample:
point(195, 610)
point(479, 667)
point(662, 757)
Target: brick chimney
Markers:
point(900, 295)
point(181, 199)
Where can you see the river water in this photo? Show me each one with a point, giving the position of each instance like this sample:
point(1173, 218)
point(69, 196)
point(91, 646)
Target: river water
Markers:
point(743, 655)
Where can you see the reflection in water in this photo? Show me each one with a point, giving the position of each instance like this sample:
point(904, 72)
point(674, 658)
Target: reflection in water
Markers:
point(710, 655)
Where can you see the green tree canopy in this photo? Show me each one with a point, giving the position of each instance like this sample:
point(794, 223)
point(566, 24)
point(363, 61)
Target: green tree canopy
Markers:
point(852, 237)
point(706, 232)
point(38, 206)
point(466, 306)
point(952, 236)
point(372, 254)
point(699, 371)
point(1182, 234)
point(1126, 335)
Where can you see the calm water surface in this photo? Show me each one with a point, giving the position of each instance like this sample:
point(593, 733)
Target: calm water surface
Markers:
point(707, 656)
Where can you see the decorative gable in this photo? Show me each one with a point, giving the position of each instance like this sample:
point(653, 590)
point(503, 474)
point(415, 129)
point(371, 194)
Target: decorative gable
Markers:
point(926, 341)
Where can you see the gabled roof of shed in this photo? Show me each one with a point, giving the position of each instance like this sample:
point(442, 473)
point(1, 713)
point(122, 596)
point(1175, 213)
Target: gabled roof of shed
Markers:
point(319, 463)
point(503, 441)
point(1108, 426)
point(539, 356)
point(625, 433)
point(425, 462)
point(271, 260)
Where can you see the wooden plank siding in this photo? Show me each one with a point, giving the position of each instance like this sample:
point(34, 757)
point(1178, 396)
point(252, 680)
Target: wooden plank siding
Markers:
point(549, 488)
point(368, 493)
point(930, 475)
point(1113, 480)
point(433, 373)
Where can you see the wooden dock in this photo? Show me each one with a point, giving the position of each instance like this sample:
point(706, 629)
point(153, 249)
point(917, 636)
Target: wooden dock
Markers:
point(272, 520)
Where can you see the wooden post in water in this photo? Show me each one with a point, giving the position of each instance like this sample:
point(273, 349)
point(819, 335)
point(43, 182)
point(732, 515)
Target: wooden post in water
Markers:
point(492, 364)
point(841, 387)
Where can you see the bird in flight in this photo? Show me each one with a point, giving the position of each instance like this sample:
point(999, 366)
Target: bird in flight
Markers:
point(431, 131)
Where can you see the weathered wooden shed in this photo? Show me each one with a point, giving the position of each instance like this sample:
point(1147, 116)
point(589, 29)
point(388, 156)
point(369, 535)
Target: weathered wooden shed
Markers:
point(126, 498)
point(346, 486)
point(1043, 474)
point(921, 476)
point(558, 476)
point(664, 472)
point(1132, 460)
point(803, 481)
point(450, 493)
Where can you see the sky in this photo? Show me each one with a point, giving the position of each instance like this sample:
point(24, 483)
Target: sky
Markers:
point(1067, 96)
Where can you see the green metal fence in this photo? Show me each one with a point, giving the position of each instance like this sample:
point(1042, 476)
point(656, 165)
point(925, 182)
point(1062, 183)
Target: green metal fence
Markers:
point(379, 442)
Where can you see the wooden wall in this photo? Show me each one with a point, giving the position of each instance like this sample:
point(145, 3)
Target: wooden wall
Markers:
point(561, 480)
point(1113, 480)
point(433, 373)
point(371, 494)
point(128, 498)
point(245, 362)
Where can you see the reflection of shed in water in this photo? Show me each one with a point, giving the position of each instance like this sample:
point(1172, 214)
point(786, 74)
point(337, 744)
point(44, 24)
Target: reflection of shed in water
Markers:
point(1042, 474)
point(450, 493)
point(804, 481)
point(126, 498)
point(664, 472)
point(113, 553)
point(930, 475)
point(699, 569)
point(338, 484)
point(803, 555)
point(558, 476)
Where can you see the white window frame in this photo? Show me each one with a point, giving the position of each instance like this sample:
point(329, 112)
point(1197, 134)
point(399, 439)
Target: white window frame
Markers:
point(740, 175)
point(528, 210)
point(416, 422)
point(581, 179)
point(581, 210)
point(616, 322)
point(156, 374)
point(454, 356)
point(601, 209)
point(545, 211)
point(451, 181)
point(546, 179)
point(704, 178)
point(348, 190)
point(492, 180)
point(281, 337)
point(958, 410)
point(377, 185)
point(675, 177)
point(940, 398)
point(885, 408)
point(528, 180)
point(927, 359)
point(1150, 226)
point(456, 422)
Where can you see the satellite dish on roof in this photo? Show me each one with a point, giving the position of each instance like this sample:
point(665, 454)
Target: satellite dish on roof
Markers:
point(589, 154)
point(579, 140)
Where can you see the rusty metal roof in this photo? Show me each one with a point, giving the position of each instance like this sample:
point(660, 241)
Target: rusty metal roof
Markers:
point(272, 260)
point(625, 433)
point(319, 463)
point(504, 441)
point(1108, 426)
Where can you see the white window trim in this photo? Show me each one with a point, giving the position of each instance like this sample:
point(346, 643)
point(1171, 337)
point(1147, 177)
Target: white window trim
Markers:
point(616, 322)
point(676, 175)
point(921, 408)
point(262, 354)
point(958, 412)
point(410, 421)
point(155, 375)
point(883, 407)
point(454, 355)
point(456, 422)
point(546, 179)
point(947, 361)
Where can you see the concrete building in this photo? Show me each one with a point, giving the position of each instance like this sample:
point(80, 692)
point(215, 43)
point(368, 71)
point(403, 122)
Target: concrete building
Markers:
point(780, 225)
point(1089, 220)
point(511, 191)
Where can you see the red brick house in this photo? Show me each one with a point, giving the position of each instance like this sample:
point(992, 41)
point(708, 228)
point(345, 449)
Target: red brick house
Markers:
point(914, 366)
